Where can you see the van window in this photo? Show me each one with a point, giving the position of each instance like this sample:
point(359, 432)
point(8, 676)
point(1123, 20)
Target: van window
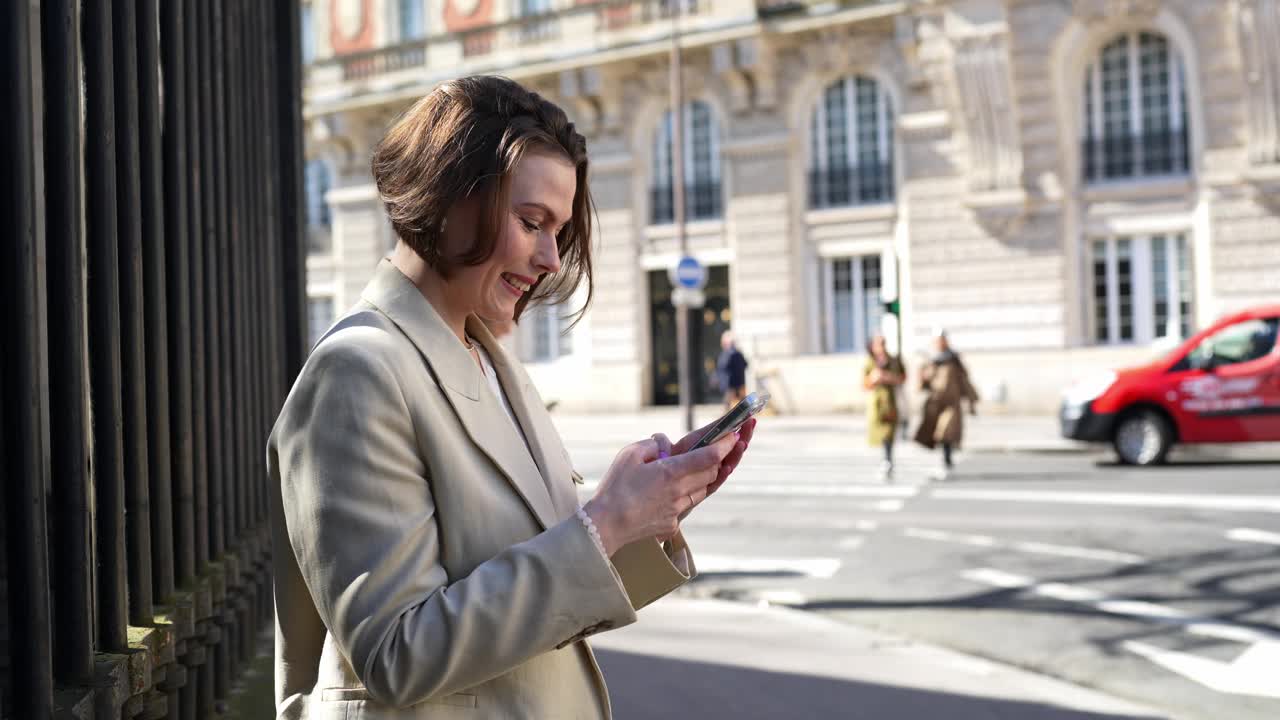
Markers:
point(1238, 343)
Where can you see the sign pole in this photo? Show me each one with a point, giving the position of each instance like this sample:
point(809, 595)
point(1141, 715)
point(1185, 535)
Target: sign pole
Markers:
point(683, 360)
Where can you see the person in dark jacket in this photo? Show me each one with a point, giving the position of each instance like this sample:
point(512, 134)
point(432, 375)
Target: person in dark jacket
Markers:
point(731, 371)
point(946, 382)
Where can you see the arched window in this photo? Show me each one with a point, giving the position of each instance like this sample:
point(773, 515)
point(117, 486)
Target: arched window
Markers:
point(701, 167)
point(1135, 110)
point(851, 145)
point(318, 183)
point(412, 17)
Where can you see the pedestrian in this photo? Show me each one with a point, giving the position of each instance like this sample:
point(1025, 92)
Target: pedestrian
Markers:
point(731, 370)
point(946, 383)
point(430, 551)
point(881, 376)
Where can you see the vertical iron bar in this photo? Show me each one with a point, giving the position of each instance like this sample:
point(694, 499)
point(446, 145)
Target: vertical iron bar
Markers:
point(288, 62)
point(235, 135)
point(132, 314)
point(229, 446)
point(214, 228)
point(24, 379)
point(104, 328)
point(71, 518)
point(160, 471)
point(196, 114)
point(173, 42)
point(257, 240)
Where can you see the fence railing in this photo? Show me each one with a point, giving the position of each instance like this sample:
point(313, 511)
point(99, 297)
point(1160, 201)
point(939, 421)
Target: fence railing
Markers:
point(702, 201)
point(590, 22)
point(1153, 153)
point(152, 280)
point(846, 185)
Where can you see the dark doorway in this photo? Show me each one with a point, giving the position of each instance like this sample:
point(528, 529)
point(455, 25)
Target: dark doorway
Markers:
point(705, 327)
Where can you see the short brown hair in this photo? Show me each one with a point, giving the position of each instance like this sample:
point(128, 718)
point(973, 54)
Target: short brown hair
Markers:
point(464, 139)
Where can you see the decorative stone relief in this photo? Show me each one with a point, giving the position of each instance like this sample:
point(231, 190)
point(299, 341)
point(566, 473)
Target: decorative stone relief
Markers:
point(746, 68)
point(594, 104)
point(985, 88)
point(1258, 24)
point(1095, 11)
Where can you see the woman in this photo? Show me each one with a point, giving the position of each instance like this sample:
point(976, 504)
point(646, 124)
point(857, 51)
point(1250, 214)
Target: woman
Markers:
point(432, 560)
point(881, 376)
point(731, 371)
point(946, 381)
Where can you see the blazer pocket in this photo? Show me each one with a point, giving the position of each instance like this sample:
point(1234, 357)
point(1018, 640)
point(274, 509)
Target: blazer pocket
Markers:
point(341, 694)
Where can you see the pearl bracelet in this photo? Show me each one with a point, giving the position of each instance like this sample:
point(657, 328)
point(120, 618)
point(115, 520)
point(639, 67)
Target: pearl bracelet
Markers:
point(593, 531)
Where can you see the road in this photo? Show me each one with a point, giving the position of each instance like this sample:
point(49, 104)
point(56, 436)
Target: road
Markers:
point(1160, 586)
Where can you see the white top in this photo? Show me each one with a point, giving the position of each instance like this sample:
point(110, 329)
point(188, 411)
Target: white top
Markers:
point(490, 374)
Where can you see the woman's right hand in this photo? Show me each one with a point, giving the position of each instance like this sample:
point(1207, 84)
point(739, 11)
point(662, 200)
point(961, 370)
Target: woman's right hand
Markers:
point(643, 495)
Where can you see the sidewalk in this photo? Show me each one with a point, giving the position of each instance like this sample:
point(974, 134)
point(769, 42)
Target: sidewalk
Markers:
point(983, 433)
point(714, 659)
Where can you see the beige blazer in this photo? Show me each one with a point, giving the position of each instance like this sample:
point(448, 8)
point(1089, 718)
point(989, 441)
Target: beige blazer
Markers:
point(429, 564)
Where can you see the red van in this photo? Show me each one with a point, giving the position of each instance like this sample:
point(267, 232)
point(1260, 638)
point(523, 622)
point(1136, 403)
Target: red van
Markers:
point(1220, 386)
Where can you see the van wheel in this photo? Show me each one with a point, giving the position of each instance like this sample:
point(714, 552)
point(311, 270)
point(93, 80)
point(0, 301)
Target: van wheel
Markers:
point(1143, 438)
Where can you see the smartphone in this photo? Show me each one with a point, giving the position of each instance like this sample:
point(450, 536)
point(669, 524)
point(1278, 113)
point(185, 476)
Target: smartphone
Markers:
point(746, 408)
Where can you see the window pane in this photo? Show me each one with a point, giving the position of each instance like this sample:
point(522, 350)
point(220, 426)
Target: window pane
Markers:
point(1160, 286)
point(308, 36)
point(544, 328)
point(1117, 136)
point(319, 317)
point(872, 310)
point(837, 126)
point(411, 19)
point(564, 338)
point(842, 305)
point(1153, 61)
point(1124, 286)
point(1184, 284)
point(1100, 324)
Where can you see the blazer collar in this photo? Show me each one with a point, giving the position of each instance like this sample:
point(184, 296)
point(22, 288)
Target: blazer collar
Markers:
point(479, 411)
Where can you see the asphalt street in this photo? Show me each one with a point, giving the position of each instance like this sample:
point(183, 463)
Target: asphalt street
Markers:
point(1158, 586)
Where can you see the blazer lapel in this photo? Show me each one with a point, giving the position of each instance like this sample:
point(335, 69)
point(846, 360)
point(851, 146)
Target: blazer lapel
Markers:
point(478, 410)
point(544, 440)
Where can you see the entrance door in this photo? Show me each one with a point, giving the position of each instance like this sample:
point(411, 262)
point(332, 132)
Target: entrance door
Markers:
point(705, 327)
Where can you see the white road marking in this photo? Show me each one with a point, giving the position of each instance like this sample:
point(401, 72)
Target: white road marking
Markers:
point(1162, 614)
point(1252, 673)
point(866, 525)
point(1243, 503)
point(1037, 548)
point(789, 598)
point(852, 542)
point(819, 567)
point(1253, 536)
point(802, 490)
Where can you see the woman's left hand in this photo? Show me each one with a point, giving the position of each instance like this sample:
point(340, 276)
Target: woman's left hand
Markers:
point(727, 466)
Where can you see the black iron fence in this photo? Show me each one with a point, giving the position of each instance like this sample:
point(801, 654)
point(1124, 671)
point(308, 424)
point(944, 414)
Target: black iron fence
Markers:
point(153, 305)
point(702, 201)
point(844, 185)
point(1155, 152)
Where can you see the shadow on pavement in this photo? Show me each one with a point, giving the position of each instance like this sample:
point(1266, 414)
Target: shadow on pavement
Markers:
point(644, 686)
point(1245, 581)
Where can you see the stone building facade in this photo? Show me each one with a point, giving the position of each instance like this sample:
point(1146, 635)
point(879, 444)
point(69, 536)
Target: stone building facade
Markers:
point(1064, 185)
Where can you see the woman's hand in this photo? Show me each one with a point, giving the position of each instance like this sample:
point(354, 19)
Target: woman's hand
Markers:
point(643, 494)
point(727, 466)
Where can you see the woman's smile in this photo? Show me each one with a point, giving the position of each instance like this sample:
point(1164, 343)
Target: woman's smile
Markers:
point(517, 285)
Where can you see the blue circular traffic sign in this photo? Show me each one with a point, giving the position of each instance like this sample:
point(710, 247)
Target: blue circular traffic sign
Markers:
point(691, 274)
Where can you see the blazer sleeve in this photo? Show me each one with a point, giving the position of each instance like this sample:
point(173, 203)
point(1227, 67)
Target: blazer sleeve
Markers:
point(363, 526)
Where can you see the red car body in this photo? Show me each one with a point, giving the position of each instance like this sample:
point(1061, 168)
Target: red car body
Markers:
point(1222, 385)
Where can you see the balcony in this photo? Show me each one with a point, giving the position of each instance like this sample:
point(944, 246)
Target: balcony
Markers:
point(843, 186)
point(702, 201)
point(1152, 154)
point(589, 26)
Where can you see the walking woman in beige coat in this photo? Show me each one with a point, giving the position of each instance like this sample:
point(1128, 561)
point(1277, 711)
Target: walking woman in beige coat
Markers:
point(946, 383)
point(431, 558)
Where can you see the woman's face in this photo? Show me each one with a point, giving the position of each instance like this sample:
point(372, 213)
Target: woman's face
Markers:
point(541, 202)
point(877, 345)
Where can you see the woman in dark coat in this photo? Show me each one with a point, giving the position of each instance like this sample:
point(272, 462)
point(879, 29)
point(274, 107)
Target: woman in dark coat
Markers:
point(946, 382)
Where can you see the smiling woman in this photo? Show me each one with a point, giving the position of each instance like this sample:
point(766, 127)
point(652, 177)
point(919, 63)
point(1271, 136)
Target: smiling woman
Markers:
point(439, 560)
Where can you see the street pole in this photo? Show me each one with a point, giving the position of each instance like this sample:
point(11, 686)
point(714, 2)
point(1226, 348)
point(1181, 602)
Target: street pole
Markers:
point(683, 360)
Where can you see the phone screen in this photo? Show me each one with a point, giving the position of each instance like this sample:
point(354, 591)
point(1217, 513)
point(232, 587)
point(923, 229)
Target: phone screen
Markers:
point(732, 420)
